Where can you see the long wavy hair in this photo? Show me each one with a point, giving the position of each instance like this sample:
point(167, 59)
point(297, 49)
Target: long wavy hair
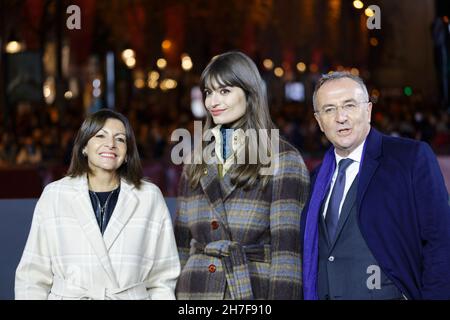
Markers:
point(235, 69)
point(131, 170)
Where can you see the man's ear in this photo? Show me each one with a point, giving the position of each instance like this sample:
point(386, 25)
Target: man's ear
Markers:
point(369, 110)
point(316, 115)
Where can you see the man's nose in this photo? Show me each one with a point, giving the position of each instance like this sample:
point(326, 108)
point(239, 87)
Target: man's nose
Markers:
point(341, 114)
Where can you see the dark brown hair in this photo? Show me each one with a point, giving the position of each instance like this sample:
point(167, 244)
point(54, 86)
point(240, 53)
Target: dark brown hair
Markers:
point(235, 69)
point(131, 170)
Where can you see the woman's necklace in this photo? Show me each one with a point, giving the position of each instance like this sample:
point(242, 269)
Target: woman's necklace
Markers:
point(102, 208)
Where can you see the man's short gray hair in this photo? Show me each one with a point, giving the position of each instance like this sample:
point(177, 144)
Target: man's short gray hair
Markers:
point(336, 76)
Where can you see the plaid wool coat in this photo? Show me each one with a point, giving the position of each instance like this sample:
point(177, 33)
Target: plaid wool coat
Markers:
point(237, 244)
point(66, 256)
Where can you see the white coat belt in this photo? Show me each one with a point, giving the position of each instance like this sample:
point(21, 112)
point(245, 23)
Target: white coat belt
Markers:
point(68, 290)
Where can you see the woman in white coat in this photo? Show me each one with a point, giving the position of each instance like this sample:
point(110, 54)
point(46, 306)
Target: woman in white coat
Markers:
point(101, 232)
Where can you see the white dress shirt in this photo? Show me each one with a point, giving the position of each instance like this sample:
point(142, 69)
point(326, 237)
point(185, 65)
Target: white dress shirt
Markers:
point(350, 174)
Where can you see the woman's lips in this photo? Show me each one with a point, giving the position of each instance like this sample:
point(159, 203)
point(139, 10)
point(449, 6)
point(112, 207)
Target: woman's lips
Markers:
point(217, 112)
point(108, 155)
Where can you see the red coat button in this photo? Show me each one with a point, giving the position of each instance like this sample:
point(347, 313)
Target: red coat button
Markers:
point(214, 224)
point(212, 268)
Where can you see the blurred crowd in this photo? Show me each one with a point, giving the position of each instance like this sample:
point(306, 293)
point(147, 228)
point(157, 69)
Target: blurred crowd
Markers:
point(38, 136)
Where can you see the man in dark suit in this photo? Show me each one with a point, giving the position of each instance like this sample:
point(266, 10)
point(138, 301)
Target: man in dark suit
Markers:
point(377, 224)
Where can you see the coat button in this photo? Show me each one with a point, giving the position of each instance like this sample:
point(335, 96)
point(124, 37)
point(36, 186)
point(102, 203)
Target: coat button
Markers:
point(331, 258)
point(214, 224)
point(212, 268)
point(205, 172)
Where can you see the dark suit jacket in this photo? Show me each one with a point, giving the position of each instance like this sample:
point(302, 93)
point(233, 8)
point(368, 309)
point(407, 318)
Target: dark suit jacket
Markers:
point(404, 215)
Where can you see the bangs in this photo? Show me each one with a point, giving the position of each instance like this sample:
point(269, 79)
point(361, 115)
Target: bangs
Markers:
point(221, 76)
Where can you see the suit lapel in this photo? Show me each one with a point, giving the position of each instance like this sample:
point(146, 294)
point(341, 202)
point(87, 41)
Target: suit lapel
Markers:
point(82, 209)
point(213, 192)
point(347, 206)
point(125, 207)
point(322, 222)
point(323, 227)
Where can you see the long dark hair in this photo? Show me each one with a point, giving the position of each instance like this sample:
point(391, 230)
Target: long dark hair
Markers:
point(131, 170)
point(235, 69)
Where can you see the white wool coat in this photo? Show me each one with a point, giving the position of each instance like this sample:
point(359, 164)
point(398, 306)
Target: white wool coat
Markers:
point(66, 256)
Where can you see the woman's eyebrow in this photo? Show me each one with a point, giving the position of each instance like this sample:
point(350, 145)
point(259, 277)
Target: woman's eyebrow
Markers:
point(106, 131)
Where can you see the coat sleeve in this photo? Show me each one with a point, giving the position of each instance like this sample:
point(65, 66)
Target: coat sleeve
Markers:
point(34, 276)
point(166, 266)
point(182, 233)
point(431, 200)
point(290, 190)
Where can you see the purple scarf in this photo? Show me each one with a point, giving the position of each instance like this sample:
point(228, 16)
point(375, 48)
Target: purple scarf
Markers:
point(311, 237)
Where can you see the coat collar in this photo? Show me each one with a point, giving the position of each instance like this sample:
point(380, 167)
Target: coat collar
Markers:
point(370, 162)
point(211, 174)
point(237, 143)
point(82, 208)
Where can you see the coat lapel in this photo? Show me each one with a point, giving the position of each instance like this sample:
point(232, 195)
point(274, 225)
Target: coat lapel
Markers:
point(126, 205)
point(213, 192)
point(227, 186)
point(370, 163)
point(82, 209)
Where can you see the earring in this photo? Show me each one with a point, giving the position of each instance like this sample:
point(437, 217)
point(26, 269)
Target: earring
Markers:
point(84, 153)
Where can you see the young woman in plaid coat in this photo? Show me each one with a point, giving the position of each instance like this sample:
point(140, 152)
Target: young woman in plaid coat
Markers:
point(238, 222)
